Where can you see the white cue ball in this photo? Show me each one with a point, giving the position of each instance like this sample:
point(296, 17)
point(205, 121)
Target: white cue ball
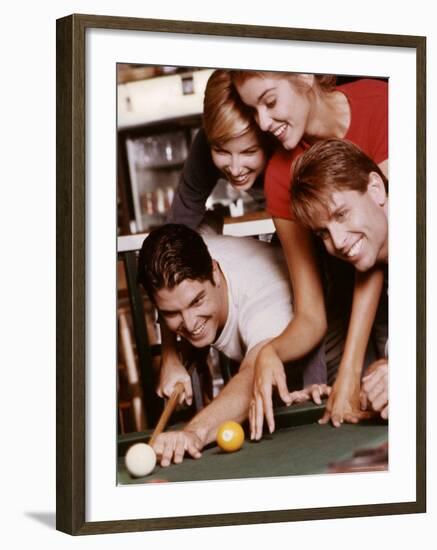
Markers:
point(140, 459)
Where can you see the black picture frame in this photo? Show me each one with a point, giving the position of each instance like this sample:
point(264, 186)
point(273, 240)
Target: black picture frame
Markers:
point(71, 273)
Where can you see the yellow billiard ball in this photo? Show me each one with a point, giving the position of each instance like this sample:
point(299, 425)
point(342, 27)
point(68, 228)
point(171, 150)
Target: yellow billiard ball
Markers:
point(230, 436)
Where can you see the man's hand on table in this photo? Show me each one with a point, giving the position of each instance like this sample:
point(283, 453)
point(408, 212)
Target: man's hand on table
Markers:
point(374, 389)
point(172, 446)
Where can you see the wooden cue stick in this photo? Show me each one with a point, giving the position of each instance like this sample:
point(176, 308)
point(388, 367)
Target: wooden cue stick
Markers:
point(169, 408)
point(167, 412)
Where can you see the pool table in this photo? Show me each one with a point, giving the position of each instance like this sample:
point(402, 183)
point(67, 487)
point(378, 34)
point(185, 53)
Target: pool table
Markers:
point(298, 446)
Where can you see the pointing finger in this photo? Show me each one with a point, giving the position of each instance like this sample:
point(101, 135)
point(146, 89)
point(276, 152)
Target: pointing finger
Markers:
point(259, 417)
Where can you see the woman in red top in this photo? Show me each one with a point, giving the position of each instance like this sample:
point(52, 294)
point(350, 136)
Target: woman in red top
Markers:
point(299, 109)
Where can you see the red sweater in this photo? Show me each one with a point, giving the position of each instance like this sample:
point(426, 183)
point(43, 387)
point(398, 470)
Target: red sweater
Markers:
point(368, 100)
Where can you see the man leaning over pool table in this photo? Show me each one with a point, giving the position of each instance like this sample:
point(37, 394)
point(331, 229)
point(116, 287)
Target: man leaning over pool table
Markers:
point(342, 195)
point(228, 292)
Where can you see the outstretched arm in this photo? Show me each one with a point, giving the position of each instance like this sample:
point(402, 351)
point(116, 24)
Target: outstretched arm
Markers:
point(309, 324)
point(344, 402)
point(302, 334)
point(232, 403)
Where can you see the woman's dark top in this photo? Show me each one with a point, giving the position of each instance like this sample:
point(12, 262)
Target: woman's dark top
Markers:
point(198, 179)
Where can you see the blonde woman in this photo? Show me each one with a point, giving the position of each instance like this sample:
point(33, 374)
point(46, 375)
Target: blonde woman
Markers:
point(230, 145)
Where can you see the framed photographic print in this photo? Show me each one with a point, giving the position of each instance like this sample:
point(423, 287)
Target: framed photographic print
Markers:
point(133, 112)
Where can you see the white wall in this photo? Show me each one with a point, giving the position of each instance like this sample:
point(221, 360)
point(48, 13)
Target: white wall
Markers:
point(28, 343)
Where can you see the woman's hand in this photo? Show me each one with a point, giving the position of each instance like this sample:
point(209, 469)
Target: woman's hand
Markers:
point(344, 401)
point(269, 373)
point(313, 392)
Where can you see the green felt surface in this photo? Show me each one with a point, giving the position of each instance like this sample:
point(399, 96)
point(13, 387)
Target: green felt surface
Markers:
point(298, 446)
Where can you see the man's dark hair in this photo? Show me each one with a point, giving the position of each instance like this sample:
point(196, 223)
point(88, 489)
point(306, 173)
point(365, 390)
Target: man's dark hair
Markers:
point(171, 254)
